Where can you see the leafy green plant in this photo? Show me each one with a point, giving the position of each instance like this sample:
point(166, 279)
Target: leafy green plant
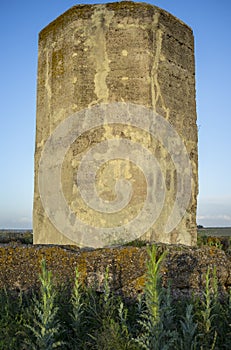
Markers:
point(137, 243)
point(207, 312)
point(188, 334)
point(13, 319)
point(77, 306)
point(154, 334)
point(46, 327)
point(76, 313)
point(226, 324)
point(153, 284)
point(214, 242)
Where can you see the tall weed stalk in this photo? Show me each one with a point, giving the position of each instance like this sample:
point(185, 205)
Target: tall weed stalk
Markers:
point(46, 327)
point(207, 312)
point(154, 335)
point(77, 310)
point(188, 330)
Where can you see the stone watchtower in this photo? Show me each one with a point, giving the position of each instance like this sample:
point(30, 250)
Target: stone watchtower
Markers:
point(103, 70)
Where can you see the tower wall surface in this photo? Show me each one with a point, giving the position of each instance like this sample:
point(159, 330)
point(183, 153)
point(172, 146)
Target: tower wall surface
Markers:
point(118, 56)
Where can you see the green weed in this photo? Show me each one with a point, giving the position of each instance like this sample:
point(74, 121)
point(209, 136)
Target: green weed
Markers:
point(45, 327)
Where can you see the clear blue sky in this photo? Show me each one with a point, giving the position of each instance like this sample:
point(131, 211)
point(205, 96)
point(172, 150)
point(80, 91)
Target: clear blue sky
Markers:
point(20, 23)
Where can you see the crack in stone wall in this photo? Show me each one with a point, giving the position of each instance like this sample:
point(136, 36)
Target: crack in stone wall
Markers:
point(98, 51)
point(155, 87)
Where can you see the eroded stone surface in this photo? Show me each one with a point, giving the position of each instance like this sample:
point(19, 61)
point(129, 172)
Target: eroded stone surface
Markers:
point(117, 52)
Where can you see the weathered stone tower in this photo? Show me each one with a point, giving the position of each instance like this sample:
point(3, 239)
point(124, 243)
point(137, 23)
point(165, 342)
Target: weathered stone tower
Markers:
point(116, 54)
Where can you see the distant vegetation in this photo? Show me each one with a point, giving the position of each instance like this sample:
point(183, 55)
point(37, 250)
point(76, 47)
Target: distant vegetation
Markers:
point(80, 318)
point(20, 236)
